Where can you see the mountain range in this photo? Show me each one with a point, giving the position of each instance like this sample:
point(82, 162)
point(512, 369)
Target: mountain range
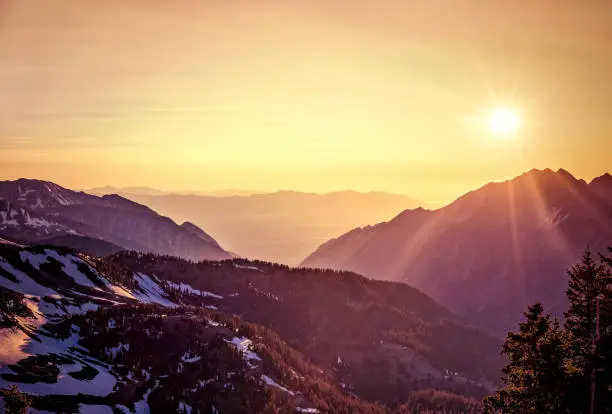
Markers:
point(142, 190)
point(492, 252)
point(282, 227)
point(139, 313)
point(45, 213)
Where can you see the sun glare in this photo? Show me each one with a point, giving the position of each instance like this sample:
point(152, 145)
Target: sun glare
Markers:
point(504, 122)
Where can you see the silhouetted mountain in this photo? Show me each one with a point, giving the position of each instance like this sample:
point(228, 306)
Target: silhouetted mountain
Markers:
point(109, 189)
point(152, 191)
point(602, 186)
point(193, 229)
point(237, 334)
point(489, 254)
point(283, 226)
point(32, 210)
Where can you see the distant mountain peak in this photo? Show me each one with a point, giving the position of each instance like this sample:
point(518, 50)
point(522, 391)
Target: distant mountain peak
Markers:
point(565, 173)
point(35, 210)
point(124, 202)
point(193, 229)
point(416, 212)
point(602, 186)
point(546, 172)
point(543, 179)
point(602, 178)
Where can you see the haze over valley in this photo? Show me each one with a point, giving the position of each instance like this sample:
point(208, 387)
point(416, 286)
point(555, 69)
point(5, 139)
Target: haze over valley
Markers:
point(282, 227)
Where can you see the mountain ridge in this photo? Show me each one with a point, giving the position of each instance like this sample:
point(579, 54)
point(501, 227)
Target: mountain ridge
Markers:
point(486, 239)
point(34, 210)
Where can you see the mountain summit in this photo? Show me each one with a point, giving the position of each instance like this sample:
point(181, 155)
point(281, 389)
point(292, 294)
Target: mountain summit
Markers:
point(492, 252)
point(37, 211)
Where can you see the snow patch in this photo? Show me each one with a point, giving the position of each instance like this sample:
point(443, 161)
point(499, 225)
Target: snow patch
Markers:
point(187, 357)
point(37, 222)
point(35, 259)
point(142, 406)
point(248, 268)
point(184, 408)
point(269, 381)
point(121, 291)
point(150, 292)
point(25, 284)
point(185, 288)
point(70, 263)
point(116, 350)
point(243, 346)
point(103, 384)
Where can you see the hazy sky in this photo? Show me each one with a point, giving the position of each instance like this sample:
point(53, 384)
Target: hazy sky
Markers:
point(312, 95)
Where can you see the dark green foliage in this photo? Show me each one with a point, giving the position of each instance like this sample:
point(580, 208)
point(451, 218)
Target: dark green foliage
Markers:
point(86, 373)
point(555, 369)
point(7, 275)
point(87, 271)
point(37, 368)
point(231, 385)
point(12, 307)
point(15, 402)
point(435, 401)
point(589, 320)
point(603, 360)
point(588, 280)
point(326, 313)
point(540, 367)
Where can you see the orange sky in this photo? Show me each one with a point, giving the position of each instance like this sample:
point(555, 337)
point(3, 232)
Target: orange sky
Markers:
point(314, 95)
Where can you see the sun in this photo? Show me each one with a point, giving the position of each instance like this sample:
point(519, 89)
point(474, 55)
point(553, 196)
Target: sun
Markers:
point(504, 122)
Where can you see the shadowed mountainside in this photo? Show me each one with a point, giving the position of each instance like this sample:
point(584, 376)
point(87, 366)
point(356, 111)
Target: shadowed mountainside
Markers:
point(492, 252)
point(34, 210)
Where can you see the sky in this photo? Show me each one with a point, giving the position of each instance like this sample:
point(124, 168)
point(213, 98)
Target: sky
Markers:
point(316, 95)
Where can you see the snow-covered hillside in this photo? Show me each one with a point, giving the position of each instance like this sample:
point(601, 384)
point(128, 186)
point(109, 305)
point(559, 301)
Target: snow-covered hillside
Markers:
point(48, 349)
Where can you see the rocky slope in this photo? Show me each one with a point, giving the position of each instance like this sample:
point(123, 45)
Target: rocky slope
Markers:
point(33, 210)
point(492, 252)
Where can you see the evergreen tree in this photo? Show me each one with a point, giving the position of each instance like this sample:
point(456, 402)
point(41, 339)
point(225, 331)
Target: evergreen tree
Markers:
point(587, 320)
point(15, 402)
point(588, 280)
point(539, 369)
point(603, 359)
point(569, 370)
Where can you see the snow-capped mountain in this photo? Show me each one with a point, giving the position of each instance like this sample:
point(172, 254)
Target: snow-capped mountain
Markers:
point(71, 363)
point(33, 210)
point(492, 252)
